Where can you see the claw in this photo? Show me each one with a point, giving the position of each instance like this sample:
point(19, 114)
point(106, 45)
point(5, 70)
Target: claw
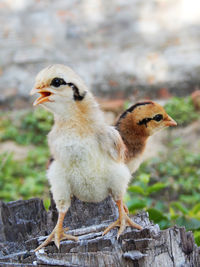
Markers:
point(46, 242)
point(122, 221)
point(57, 234)
point(111, 226)
point(121, 228)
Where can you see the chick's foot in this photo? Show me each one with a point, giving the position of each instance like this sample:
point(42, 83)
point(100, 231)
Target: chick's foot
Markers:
point(123, 221)
point(57, 234)
point(126, 208)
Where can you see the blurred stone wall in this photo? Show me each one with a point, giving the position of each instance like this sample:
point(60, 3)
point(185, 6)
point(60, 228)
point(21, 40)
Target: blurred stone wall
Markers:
point(119, 47)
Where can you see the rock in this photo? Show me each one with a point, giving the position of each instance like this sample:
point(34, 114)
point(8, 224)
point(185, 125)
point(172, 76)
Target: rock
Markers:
point(83, 214)
point(146, 248)
point(21, 219)
point(86, 214)
point(116, 46)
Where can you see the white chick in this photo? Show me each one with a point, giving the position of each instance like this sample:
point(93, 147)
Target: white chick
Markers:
point(88, 154)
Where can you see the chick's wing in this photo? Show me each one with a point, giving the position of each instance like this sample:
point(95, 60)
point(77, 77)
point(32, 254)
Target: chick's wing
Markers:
point(111, 142)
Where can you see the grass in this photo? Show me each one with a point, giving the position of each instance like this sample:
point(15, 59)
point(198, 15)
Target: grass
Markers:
point(167, 186)
point(26, 178)
point(182, 110)
point(26, 128)
point(23, 179)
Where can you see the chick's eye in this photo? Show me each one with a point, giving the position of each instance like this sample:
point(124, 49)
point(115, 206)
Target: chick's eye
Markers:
point(56, 82)
point(158, 117)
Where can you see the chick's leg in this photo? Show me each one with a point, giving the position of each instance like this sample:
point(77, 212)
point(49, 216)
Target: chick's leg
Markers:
point(122, 221)
point(61, 194)
point(58, 233)
point(125, 208)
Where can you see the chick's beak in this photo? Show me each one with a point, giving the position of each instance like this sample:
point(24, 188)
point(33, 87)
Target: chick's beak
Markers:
point(44, 96)
point(170, 122)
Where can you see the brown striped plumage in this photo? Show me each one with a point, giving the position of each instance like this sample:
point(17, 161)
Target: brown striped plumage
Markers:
point(136, 124)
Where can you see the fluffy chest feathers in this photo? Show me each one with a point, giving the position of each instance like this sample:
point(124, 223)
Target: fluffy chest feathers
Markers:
point(86, 166)
point(72, 145)
point(90, 157)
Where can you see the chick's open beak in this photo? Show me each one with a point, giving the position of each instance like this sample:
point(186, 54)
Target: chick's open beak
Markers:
point(169, 121)
point(44, 96)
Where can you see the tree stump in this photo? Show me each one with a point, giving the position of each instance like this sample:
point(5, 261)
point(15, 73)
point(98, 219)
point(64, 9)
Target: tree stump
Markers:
point(23, 223)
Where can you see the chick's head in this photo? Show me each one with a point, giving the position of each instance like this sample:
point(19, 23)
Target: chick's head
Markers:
point(145, 118)
point(58, 86)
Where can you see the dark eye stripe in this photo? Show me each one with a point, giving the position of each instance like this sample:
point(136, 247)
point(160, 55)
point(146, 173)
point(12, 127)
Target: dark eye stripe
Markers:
point(158, 117)
point(56, 82)
point(144, 121)
point(77, 96)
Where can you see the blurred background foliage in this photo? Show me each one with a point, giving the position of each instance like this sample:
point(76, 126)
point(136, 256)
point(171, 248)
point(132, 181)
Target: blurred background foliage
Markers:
point(167, 185)
point(125, 50)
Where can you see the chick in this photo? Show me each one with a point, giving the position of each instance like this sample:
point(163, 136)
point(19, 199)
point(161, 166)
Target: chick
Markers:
point(88, 154)
point(136, 125)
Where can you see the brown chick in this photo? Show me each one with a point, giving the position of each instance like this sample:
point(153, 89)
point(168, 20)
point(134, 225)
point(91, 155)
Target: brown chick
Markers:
point(137, 124)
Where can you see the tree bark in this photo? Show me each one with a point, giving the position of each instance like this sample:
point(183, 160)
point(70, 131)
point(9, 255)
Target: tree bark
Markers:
point(22, 223)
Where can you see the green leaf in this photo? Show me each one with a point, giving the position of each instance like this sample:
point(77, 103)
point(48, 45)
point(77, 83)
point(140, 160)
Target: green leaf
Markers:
point(190, 199)
point(156, 215)
point(164, 224)
point(182, 110)
point(136, 189)
point(144, 177)
point(189, 223)
point(195, 209)
point(197, 237)
point(47, 203)
point(156, 187)
point(173, 214)
point(135, 204)
point(180, 207)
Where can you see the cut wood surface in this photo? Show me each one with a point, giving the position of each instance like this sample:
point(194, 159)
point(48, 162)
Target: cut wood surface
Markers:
point(24, 224)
